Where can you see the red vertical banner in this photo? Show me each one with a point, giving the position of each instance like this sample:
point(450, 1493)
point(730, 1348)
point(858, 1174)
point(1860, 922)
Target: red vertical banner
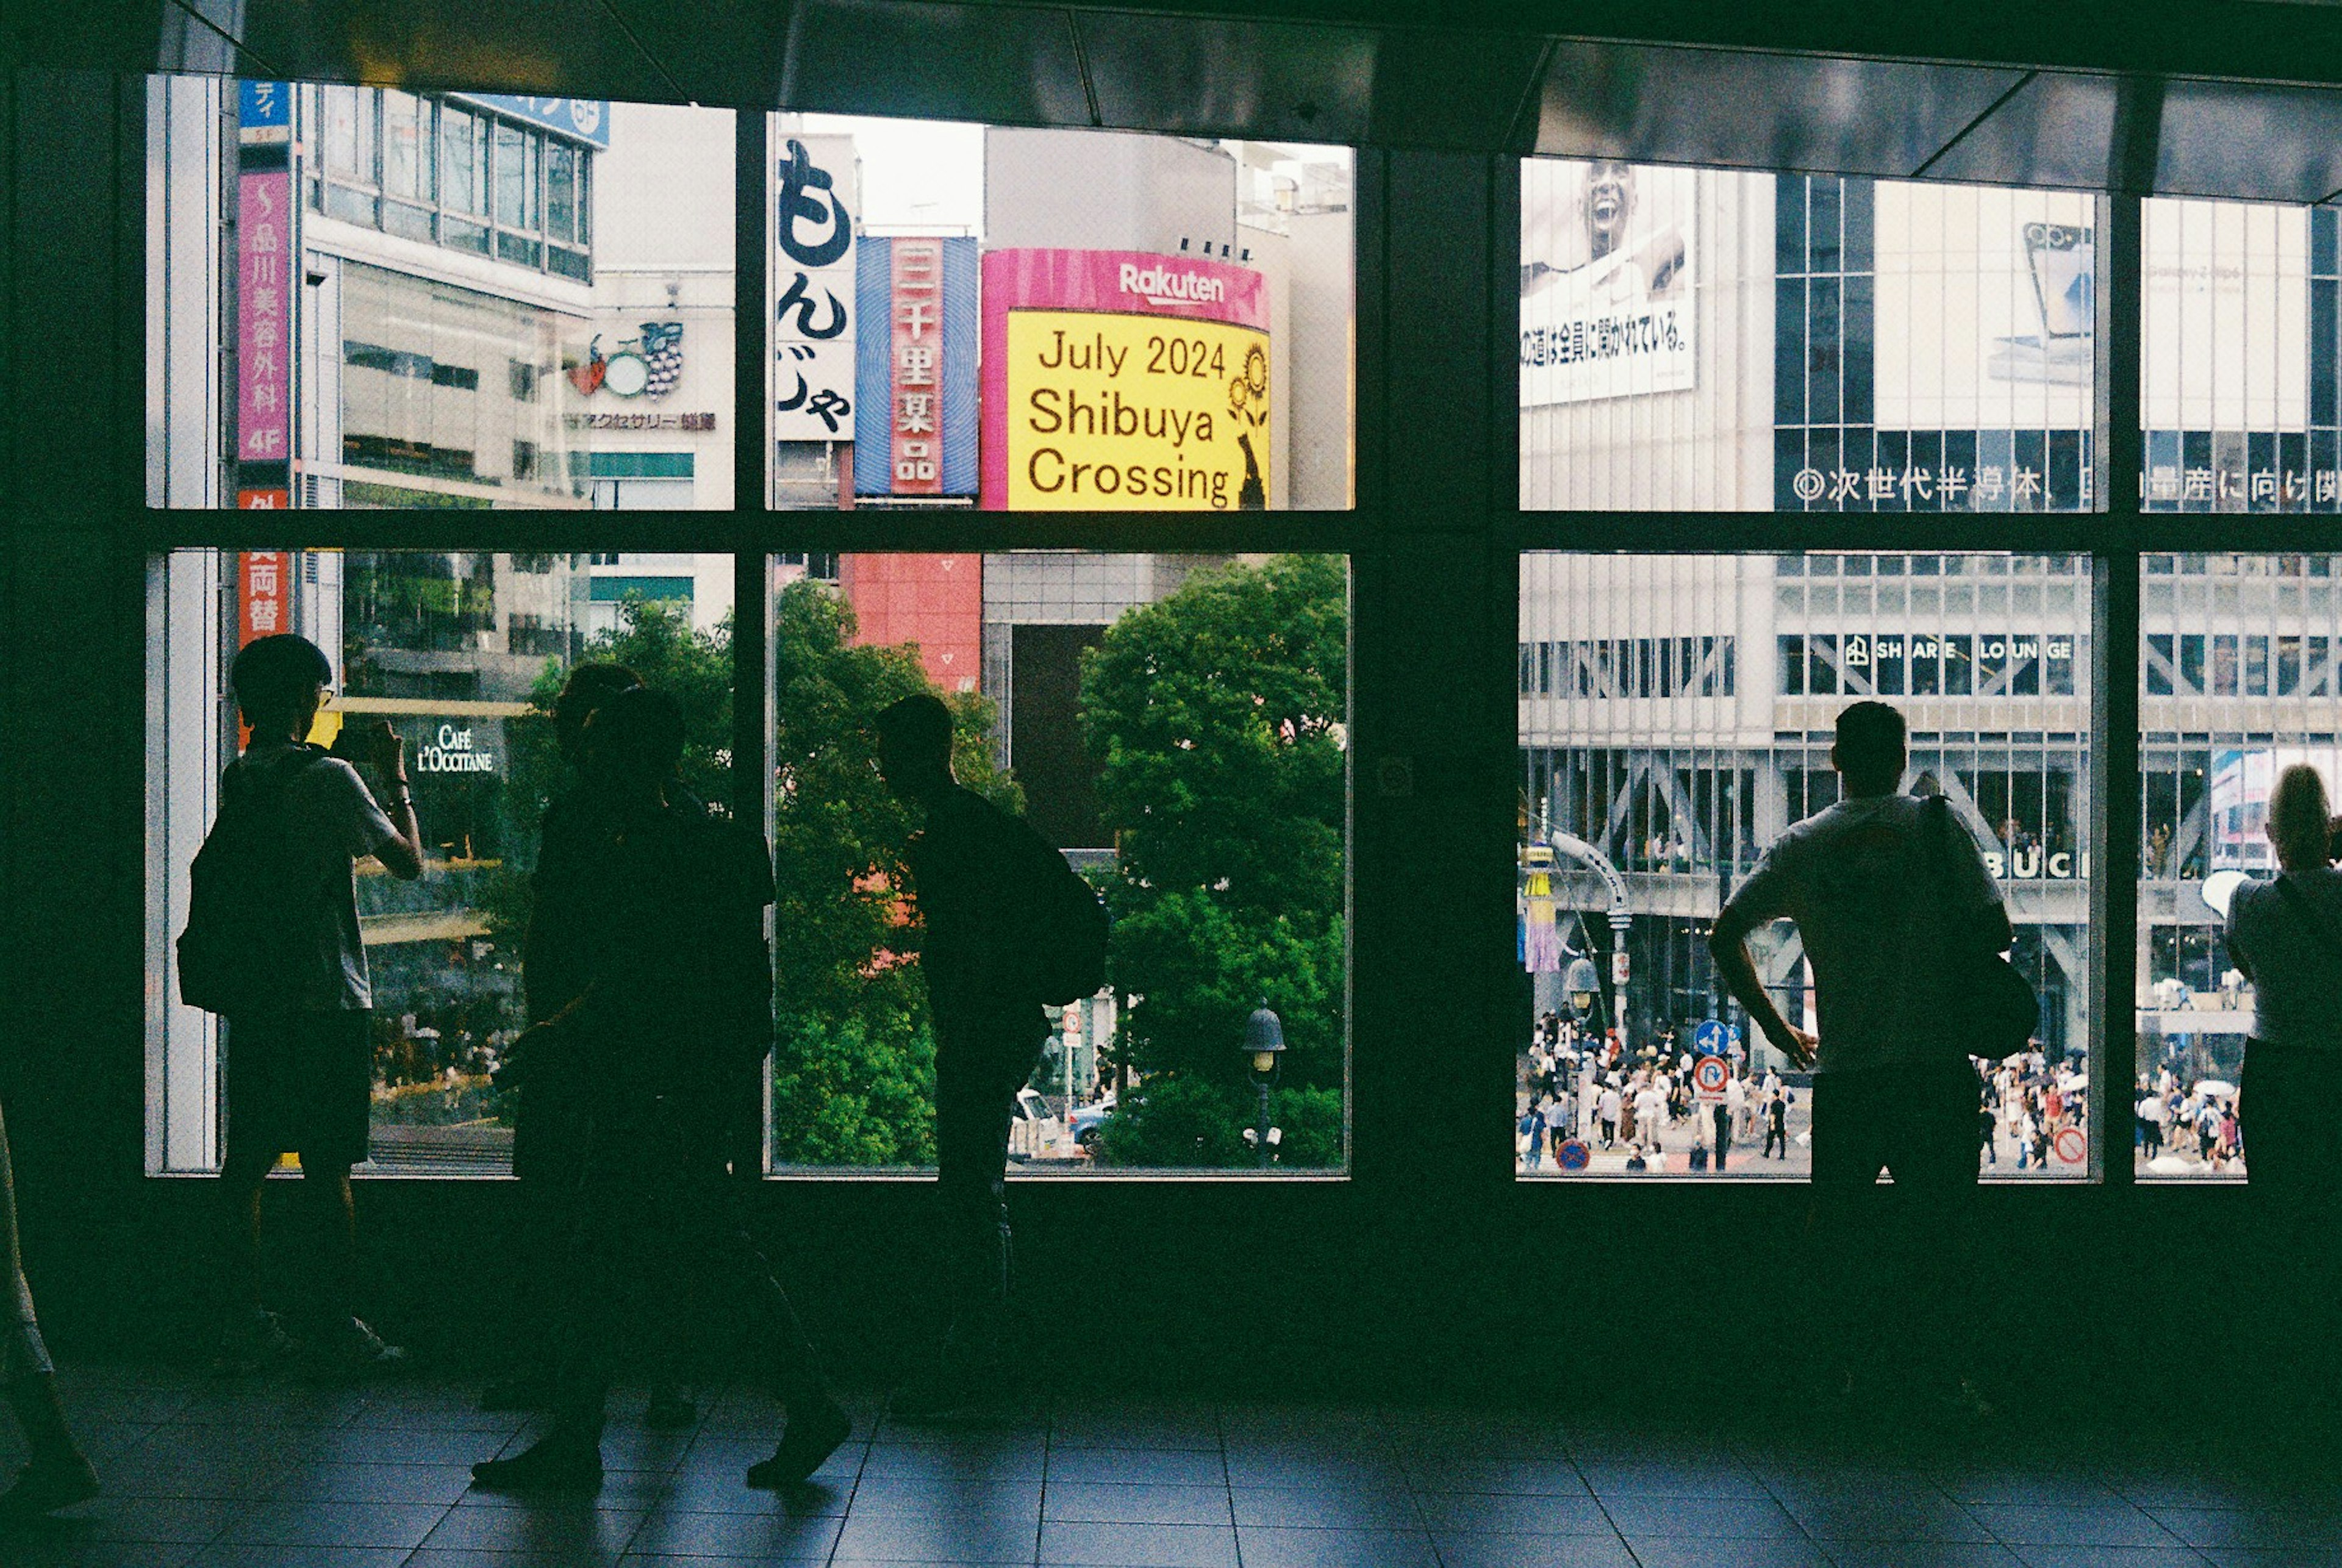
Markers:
point(916, 311)
point(263, 595)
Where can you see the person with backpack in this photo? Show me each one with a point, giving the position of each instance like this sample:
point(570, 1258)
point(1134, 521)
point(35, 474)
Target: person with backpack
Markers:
point(272, 946)
point(1006, 926)
point(669, 1029)
point(1900, 919)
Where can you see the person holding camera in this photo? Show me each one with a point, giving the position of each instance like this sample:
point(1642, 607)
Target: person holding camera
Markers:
point(294, 819)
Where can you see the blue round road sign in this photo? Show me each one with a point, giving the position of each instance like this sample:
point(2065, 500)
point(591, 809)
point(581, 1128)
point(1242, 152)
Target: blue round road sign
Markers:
point(1707, 1040)
point(1574, 1155)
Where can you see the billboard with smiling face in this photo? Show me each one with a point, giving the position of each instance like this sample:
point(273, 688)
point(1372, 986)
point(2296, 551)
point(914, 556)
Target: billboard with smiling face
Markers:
point(1123, 381)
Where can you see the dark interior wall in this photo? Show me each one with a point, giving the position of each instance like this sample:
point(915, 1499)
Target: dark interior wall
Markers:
point(1428, 1267)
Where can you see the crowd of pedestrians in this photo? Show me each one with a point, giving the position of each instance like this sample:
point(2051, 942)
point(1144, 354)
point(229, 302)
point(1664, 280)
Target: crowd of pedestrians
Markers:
point(1577, 1085)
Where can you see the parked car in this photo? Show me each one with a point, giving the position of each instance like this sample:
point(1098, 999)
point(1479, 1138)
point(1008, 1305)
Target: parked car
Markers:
point(1089, 1123)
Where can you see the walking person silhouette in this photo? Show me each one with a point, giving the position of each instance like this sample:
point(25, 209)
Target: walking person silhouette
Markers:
point(674, 1017)
point(1888, 897)
point(979, 876)
point(273, 946)
point(549, 1087)
point(56, 1474)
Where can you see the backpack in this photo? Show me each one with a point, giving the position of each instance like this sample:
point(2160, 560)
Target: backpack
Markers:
point(2002, 1010)
point(249, 921)
point(1067, 932)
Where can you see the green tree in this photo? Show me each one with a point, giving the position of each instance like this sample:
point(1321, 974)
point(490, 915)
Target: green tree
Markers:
point(1216, 718)
point(853, 1077)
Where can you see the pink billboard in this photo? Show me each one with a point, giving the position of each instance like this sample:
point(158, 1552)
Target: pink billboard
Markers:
point(264, 337)
point(1096, 396)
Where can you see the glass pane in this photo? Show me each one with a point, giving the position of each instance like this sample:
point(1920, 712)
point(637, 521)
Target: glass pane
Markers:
point(462, 654)
point(2238, 682)
point(407, 146)
point(462, 160)
point(1176, 726)
point(561, 191)
point(1702, 339)
point(1181, 346)
point(1677, 715)
point(349, 133)
point(413, 354)
point(2239, 348)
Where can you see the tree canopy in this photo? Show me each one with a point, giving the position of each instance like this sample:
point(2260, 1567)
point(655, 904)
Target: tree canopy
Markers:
point(1216, 716)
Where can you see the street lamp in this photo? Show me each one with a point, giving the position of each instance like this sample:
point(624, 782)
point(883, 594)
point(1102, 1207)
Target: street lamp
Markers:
point(1263, 1042)
point(1584, 985)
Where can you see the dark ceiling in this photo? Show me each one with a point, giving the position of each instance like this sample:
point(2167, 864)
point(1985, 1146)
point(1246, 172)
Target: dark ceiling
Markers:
point(2250, 92)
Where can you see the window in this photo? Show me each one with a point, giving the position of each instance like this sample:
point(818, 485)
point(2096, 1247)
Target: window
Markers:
point(461, 653)
point(1700, 339)
point(1177, 725)
point(1647, 797)
point(1186, 346)
point(375, 361)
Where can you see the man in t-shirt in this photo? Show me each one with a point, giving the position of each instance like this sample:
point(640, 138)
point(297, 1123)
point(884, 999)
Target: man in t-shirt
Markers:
point(300, 1063)
point(967, 864)
point(1885, 893)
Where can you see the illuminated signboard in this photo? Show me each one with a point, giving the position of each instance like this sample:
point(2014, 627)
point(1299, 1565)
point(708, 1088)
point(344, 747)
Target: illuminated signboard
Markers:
point(1123, 380)
point(915, 381)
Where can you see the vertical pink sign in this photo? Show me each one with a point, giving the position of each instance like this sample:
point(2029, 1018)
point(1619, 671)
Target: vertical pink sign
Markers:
point(263, 335)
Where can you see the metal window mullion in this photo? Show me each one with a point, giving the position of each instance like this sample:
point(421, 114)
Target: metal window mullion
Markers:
point(2115, 657)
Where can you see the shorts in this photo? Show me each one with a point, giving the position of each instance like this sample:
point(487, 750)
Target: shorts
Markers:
point(301, 1082)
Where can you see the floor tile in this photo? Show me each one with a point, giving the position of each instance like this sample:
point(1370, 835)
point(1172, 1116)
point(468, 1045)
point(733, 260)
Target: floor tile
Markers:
point(777, 1537)
point(1326, 1508)
point(1275, 1547)
point(1187, 1427)
point(1513, 1514)
point(589, 1535)
point(1906, 1518)
point(2108, 1557)
point(39, 1546)
point(1700, 1518)
point(198, 1521)
point(2266, 1527)
point(1675, 1551)
point(1135, 1466)
point(1139, 1545)
point(993, 1460)
point(1529, 1477)
point(1920, 1554)
point(247, 1556)
point(941, 1537)
point(311, 1523)
point(440, 1483)
point(889, 1497)
point(1532, 1552)
point(1095, 1502)
point(2097, 1525)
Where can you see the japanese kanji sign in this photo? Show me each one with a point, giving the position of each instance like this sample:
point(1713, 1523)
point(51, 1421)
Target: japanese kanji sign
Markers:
point(816, 198)
point(915, 382)
point(264, 266)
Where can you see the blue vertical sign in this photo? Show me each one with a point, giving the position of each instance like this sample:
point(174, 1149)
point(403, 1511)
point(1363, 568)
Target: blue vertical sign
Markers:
point(264, 112)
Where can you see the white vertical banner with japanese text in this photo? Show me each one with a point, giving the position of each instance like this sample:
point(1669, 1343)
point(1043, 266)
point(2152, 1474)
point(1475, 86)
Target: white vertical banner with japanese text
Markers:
point(815, 205)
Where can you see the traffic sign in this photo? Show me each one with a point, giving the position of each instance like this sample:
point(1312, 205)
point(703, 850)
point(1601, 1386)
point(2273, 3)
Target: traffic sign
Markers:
point(1574, 1155)
point(2070, 1146)
point(1709, 1076)
point(1708, 1039)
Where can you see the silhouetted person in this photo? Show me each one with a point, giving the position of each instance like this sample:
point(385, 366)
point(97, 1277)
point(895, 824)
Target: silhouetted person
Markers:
point(2286, 934)
point(969, 865)
point(550, 1090)
point(673, 1018)
point(300, 1056)
point(56, 1474)
point(1887, 893)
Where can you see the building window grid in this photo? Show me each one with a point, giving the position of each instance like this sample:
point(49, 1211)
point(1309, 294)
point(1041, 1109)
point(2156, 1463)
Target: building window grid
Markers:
point(453, 199)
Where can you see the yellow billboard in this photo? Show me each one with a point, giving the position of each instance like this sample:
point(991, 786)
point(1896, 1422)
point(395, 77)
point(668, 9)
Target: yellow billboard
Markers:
point(1128, 413)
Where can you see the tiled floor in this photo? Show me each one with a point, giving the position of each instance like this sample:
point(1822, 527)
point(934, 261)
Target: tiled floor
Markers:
point(230, 1475)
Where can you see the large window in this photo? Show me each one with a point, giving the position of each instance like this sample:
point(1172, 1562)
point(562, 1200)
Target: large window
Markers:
point(461, 653)
point(1704, 340)
point(1053, 320)
point(1177, 726)
point(1677, 714)
point(475, 301)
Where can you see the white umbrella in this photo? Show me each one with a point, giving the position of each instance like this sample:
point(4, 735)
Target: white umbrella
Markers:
point(2170, 1166)
point(2219, 1088)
